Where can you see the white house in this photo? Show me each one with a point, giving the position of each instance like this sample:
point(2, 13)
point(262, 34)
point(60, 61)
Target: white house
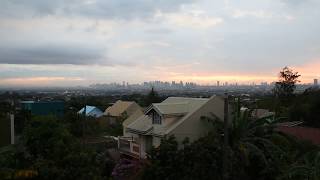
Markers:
point(176, 116)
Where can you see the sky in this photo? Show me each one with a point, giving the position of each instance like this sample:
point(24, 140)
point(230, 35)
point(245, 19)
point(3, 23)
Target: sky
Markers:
point(81, 42)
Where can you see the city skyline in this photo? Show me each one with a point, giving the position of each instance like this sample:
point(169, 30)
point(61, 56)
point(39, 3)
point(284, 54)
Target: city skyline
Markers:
point(71, 43)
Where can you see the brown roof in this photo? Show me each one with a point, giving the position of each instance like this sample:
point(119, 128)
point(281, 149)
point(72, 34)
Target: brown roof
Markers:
point(132, 118)
point(118, 108)
point(302, 133)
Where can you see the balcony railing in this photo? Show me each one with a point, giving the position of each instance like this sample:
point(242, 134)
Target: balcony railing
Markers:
point(128, 146)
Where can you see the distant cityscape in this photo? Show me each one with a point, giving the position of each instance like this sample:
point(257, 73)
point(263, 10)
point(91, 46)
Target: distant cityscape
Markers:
point(186, 85)
point(165, 88)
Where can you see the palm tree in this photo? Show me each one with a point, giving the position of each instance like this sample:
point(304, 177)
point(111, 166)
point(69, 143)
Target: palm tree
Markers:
point(308, 168)
point(249, 140)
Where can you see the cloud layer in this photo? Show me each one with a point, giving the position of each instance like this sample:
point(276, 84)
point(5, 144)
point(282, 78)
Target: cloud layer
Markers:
point(114, 9)
point(115, 40)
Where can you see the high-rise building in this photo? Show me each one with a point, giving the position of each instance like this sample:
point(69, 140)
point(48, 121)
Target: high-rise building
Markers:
point(315, 82)
point(218, 83)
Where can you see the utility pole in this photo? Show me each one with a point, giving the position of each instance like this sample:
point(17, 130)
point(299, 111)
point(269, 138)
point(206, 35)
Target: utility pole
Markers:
point(12, 128)
point(12, 133)
point(225, 137)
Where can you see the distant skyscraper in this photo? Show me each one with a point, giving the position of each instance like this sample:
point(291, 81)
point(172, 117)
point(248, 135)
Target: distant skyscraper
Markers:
point(315, 82)
point(218, 83)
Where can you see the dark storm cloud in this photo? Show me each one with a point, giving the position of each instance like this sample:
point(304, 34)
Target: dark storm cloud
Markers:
point(53, 55)
point(118, 9)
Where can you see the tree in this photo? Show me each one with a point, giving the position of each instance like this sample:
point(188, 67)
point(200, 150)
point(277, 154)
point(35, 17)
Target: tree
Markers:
point(198, 160)
point(305, 107)
point(152, 97)
point(286, 85)
point(308, 168)
point(250, 143)
point(49, 149)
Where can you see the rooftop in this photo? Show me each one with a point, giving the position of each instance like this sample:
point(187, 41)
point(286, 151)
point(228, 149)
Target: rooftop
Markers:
point(118, 108)
point(178, 105)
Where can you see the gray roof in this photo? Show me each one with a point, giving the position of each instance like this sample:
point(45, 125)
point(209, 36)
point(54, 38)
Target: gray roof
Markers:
point(118, 108)
point(178, 105)
point(142, 125)
point(132, 118)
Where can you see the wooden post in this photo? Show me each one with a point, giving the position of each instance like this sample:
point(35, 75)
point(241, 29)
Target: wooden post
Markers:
point(12, 133)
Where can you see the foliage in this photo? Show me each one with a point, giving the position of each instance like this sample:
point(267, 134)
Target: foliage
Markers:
point(254, 153)
point(286, 85)
point(305, 107)
point(5, 107)
point(81, 126)
point(54, 153)
point(101, 102)
point(305, 168)
point(152, 97)
point(199, 160)
point(4, 130)
point(251, 144)
point(125, 169)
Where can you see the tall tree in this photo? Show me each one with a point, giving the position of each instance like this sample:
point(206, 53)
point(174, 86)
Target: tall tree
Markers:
point(286, 85)
point(152, 97)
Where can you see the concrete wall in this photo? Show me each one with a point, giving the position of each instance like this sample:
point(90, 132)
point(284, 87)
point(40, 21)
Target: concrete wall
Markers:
point(156, 141)
point(193, 127)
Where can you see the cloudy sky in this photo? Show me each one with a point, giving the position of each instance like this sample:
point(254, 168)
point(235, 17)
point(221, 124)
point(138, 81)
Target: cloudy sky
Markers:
point(80, 42)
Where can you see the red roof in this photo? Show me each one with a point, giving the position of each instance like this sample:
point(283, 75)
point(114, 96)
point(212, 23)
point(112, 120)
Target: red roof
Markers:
point(302, 133)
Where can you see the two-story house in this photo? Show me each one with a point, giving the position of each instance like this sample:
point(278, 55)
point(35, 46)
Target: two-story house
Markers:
point(178, 116)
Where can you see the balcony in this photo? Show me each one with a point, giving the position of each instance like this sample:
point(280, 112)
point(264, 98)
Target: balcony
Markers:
point(128, 146)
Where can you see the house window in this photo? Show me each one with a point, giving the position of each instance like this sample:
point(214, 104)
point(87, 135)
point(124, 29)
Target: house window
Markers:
point(156, 119)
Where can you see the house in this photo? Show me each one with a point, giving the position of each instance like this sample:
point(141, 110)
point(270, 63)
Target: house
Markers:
point(178, 116)
point(43, 108)
point(262, 113)
point(301, 133)
point(91, 111)
point(121, 109)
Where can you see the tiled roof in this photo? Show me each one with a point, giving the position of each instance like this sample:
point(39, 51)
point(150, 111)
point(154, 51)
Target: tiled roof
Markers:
point(172, 108)
point(132, 118)
point(118, 108)
point(302, 133)
point(142, 125)
point(178, 105)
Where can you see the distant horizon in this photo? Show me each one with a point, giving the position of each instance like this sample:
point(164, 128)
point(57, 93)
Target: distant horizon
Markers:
point(233, 83)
